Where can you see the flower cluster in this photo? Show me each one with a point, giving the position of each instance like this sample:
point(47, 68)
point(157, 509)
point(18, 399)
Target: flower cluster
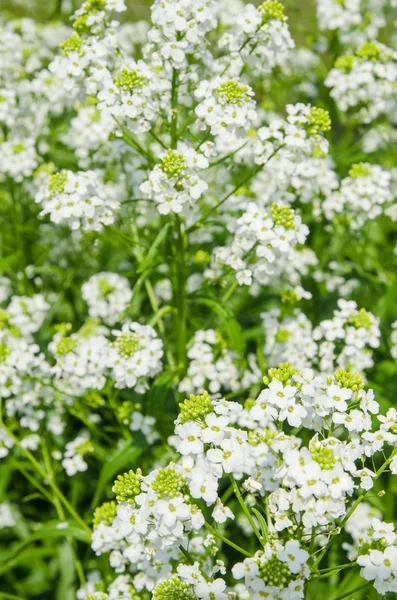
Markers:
point(307, 484)
point(345, 341)
point(174, 181)
point(212, 365)
point(107, 296)
point(84, 360)
point(363, 83)
point(353, 22)
point(362, 195)
point(264, 243)
point(78, 200)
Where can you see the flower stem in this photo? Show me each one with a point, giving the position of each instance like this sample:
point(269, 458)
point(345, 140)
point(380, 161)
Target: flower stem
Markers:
point(245, 509)
point(226, 540)
point(180, 296)
point(48, 477)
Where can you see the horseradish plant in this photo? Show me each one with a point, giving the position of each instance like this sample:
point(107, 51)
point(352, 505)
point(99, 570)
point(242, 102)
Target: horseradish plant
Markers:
point(197, 302)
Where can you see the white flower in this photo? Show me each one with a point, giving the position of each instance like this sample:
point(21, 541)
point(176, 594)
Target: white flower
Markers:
point(190, 438)
point(107, 295)
point(221, 513)
point(293, 555)
point(214, 589)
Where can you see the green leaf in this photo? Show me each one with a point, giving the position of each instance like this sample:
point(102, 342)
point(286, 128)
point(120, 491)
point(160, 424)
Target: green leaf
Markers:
point(263, 524)
point(122, 458)
point(51, 530)
point(65, 587)
point(229, 321)
point(151, 255)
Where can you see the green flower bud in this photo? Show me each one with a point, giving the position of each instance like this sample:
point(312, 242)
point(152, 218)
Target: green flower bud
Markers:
point(127, 486)
point(168, 483)
point(195, 407)
point(173, 589)
point(105, 513)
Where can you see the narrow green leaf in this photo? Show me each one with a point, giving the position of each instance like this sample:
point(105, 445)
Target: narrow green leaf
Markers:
point(153, 248)
point(65, 587)
point(263, 524)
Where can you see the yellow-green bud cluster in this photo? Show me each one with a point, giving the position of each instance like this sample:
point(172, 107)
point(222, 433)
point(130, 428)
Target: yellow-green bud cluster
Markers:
point(360, 170)
point(168, 482)
point(127, 486)
point(361, 319)
point(4, 352)
point(346, 379)
point(106, 513)
point(275, 573)
point(319, 121)
point(290, 297)
point(283, 215)
point(4, 318)
point(94, 399)
point(89, 328)
point(345, 63)
point(90, 7)
point(125, 411)
point(283, 373)
point(5, 323)
point(71, 44)
point(105, 287)
point(249, 403)
point(263, 437)
point(202, 258)
point(56, 184)
point(370, 51)
point(127, 344)
point(65, 346)
point(173, 164)
point(271, 9)
point(99, 596)
point(84, 448)
point(282, 336)
point(195, 407)
point(18, 148)
point(233, 92)
point(324, 456)
point(129, 80)
point(173, 589)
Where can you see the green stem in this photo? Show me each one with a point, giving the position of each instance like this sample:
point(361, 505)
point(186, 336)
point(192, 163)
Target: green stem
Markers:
point(245, 509)
point(199, 223)
point(48, 477)
point(61, 515)
point(225, 540)
point(333, 571)
point(229, 292)
point(191, 561)
point(180, 296)
point(36, 484)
